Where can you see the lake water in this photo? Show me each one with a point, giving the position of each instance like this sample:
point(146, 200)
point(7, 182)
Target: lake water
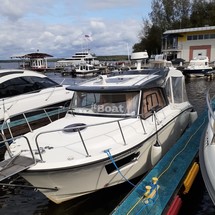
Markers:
point(23, 201)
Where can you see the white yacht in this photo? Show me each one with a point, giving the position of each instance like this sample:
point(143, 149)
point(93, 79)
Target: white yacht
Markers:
point(116, 129)
point(82, 57)
point(198, 67)
point(25, 90)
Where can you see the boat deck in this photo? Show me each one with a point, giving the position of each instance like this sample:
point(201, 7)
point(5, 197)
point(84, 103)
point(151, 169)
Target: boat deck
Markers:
point(170, 171)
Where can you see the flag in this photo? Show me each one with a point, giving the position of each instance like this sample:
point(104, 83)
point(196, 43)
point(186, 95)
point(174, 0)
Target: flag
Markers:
point(88, 37)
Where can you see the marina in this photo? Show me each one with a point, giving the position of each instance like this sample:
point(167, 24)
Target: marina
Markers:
point(102, 202)
point(130, 119)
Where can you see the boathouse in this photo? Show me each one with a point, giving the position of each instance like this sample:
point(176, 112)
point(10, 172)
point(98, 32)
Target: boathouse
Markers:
point(34, 61)
point(188, 43)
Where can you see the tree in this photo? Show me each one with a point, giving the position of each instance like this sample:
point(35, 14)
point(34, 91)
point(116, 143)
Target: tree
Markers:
point(203, 13)
point(166, 14)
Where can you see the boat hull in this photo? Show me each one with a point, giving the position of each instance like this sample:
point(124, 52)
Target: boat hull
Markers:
point(207, 160)
point(80, 180)
point(197, 72)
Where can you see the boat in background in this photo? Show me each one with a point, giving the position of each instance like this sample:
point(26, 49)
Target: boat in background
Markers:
point(116, 129)
point(34, 61)
point(198, 67)
point(160, 61)
point(82, 57)
point(207, 149)
point(82, 70)
point(25, 90)
point(85, 69)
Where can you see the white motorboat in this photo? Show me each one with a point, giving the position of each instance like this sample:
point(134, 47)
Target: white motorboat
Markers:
point(116, 129)
point(25, 90)
point(160, 61)
point(86, 69)
point(198, 67)
point(207, 149)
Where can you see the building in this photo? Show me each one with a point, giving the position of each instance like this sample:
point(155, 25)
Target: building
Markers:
point(189, 42)
point(34, 61)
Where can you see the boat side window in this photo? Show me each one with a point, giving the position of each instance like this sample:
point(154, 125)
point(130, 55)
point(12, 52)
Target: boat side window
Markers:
point(12, 87)
point(20, 85)
point(176, 90)
point(152, 99)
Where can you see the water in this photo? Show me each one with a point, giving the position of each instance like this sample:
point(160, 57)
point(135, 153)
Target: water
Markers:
point(15, 200)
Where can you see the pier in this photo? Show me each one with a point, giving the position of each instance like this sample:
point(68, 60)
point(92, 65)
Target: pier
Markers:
point(159, 192)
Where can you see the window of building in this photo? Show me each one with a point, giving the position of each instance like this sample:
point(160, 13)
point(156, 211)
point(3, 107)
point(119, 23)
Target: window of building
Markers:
point(189, 37)
point(200, 37)
point(206, 36)
point(212, 36)
point(195, 37)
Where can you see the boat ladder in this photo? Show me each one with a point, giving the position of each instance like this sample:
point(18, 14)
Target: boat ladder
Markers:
point(15, 165)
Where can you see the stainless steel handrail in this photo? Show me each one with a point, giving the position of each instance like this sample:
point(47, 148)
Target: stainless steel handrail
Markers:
point(6, 124)
point(79, 128)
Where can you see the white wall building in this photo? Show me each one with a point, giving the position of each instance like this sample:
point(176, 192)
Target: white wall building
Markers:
point(189, 42)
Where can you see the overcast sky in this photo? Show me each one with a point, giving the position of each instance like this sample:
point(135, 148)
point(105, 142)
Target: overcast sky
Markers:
point(58, 27)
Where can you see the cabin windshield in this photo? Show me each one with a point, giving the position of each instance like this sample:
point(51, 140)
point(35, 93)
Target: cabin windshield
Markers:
point(106, 103)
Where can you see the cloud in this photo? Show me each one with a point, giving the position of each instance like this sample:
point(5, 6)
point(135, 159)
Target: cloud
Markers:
point(57, 27)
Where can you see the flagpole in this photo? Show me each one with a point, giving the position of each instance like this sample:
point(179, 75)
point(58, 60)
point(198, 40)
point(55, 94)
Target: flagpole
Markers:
point(128, 53)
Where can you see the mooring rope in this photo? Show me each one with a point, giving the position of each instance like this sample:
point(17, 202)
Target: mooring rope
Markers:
point(107, 151)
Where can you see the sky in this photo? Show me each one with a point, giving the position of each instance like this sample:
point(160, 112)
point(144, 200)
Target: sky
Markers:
point(62, 27)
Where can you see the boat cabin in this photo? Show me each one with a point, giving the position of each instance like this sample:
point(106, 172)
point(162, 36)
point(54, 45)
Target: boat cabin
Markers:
point(127, 95)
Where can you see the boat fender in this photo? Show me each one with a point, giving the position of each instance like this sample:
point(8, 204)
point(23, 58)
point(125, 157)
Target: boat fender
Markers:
point(188, 182)
point(193, 117)
point(156, 152)
point(175, 206)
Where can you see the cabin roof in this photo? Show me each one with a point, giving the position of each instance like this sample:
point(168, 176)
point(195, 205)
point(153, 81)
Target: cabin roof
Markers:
point(124, 82)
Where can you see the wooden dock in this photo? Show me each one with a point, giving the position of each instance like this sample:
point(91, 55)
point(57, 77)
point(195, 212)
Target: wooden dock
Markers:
point(157, 193)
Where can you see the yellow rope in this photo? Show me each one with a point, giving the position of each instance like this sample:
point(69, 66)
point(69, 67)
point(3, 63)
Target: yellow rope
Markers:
point(135, 205)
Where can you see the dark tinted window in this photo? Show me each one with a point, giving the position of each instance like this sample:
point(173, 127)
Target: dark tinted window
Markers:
point(22, 85)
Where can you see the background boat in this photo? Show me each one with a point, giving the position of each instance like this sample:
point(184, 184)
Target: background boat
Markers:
point(198, 67)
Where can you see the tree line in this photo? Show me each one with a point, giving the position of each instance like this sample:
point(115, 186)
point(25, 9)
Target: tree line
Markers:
point(171, 15)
